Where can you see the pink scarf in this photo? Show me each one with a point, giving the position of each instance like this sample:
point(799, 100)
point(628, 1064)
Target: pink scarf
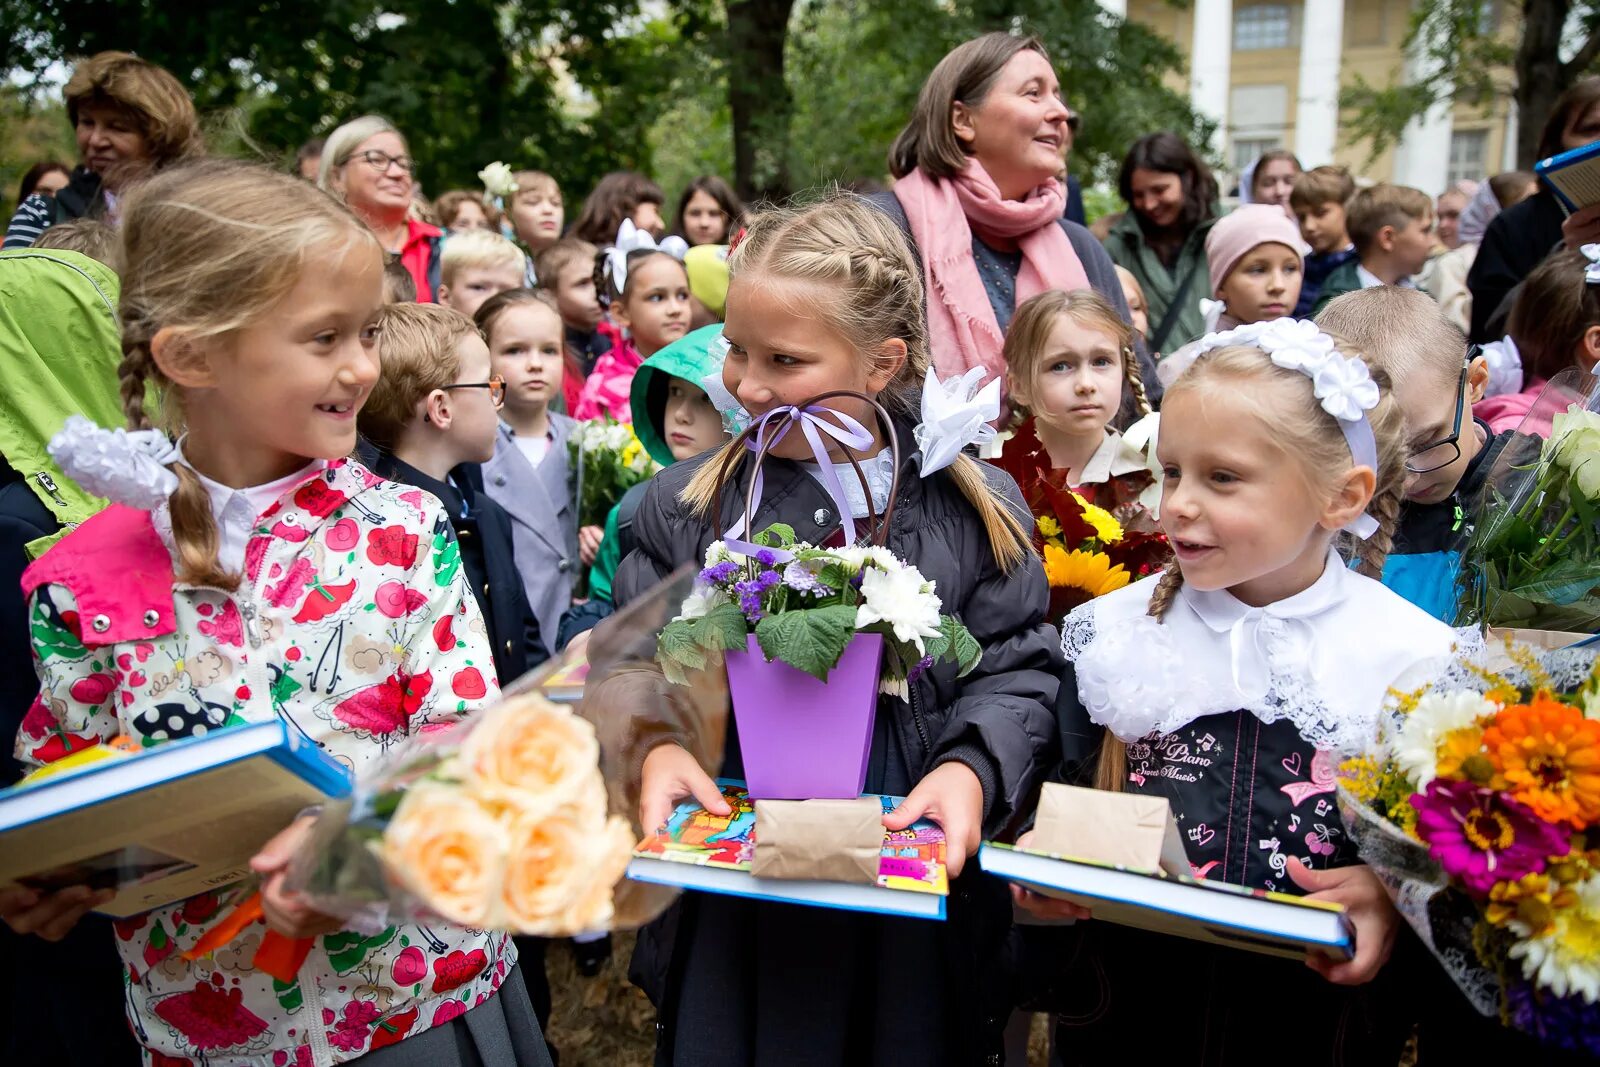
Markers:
point(944, 214)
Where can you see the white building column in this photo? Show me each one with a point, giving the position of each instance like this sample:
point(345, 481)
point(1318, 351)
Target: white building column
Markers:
point(1422, 156)
point(1210, 62)
point(1316, 119)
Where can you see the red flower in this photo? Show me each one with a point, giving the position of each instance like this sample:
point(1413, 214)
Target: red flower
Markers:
point(40, 720)
point(319, 498)
point(392, 545)
point(443, 635)
point(210, 1018)
point(395, 600)
point(385, 707)
point(393, 1029)
point(457, 969)
point(197, 910)
point(468, 684)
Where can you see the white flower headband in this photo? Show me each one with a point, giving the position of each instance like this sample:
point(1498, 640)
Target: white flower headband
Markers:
point(1591, 274)
point(629, 238)
point(1343, 386)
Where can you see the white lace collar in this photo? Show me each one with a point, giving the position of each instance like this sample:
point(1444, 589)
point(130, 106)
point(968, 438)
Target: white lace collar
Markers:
point(879, 472)
point(1324, 658)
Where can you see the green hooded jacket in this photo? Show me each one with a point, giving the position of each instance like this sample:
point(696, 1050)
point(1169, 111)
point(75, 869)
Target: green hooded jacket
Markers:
point(1127, 248)
point(690, 358)
point(60, 343)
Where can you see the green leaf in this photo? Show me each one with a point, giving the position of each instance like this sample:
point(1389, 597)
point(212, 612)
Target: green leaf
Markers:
point(778, 535)
point(678, 643)
point(290, 999)
point(811, 639)
point(1563, 583)
point(722, 628)
point(955, 642)
point(347, 949)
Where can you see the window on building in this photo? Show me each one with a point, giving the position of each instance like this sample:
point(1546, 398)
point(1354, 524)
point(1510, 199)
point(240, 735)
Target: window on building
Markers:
point(1366, 24)
point(1258, 26)
point(1246, 150)
point(1469, 152)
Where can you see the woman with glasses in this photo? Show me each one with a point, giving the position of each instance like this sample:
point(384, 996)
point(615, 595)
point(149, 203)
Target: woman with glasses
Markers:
point(366, 164)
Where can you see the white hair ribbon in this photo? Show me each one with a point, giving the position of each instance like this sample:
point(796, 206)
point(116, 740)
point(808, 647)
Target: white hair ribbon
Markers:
point(630, 238)
point(956, 412)
point(1591, 274)
point(126, 467)
point(1505, 365)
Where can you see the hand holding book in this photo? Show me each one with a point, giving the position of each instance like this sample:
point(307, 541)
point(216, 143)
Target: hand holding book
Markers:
point(1371, 912)
point(50, 915)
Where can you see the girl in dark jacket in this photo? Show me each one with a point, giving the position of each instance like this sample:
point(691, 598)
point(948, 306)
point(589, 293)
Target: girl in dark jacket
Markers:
point(1232, 685)
point(827, 298)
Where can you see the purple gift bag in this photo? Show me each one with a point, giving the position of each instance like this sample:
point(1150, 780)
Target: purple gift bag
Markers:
point(801, 738)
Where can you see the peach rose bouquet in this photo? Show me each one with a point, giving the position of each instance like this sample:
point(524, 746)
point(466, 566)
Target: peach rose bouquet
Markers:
point(500, 823)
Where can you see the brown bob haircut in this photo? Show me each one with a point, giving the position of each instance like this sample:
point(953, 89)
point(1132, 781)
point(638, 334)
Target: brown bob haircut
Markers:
point(153, 100)
point(1167, 152)
point(966, 74)
point(1569, 105)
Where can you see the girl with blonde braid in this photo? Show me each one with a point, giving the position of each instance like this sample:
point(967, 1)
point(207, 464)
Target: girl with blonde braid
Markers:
point(823, 298)
point(1233, 683)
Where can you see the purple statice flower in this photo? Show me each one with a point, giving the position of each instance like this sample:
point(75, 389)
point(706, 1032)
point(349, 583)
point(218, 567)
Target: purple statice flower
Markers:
point(801, 579)
point(1565, 1022)
point(1482, 837)
point(719, 573)
point(751, 590)
point(766, 557)
point(918, 668)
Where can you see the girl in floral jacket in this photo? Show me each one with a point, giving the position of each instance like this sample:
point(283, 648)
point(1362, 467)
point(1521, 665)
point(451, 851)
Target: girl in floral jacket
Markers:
point(249, 572)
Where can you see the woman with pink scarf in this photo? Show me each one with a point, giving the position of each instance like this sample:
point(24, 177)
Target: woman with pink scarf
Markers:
point(977, 192)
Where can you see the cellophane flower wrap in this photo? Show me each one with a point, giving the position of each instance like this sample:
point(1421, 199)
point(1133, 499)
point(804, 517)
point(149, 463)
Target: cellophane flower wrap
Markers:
point(1532, 560)
point(804, 604)
point(1479, 807)
point(607, 460)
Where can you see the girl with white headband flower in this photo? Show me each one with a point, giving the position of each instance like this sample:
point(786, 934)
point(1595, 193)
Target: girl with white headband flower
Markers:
point(1234, 682)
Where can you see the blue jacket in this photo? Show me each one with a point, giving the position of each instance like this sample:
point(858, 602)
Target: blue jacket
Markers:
point(1426, 558)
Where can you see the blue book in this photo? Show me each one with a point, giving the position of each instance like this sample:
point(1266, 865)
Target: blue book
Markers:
point(714, 854)
point(1573, 176)
point(167, 823)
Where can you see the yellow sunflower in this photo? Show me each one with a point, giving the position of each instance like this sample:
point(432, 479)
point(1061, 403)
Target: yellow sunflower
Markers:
point(1091, 572)
point(1107, 530)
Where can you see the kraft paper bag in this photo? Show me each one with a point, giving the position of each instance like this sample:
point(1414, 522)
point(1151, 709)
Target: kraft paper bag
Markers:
point(1125, 829)
point(819, 840)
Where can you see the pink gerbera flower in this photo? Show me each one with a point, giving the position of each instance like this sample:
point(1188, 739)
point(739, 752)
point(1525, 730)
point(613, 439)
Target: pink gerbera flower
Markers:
point(1482, 837)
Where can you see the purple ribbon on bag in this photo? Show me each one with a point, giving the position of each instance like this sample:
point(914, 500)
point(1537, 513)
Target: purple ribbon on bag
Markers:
point(849, 433)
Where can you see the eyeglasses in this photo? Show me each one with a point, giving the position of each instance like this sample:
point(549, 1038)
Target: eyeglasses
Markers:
point(495, 385)
point(382, 161)
point(1446, 450)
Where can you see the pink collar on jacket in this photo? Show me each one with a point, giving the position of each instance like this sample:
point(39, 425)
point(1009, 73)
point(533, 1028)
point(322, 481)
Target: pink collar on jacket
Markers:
point(130, 601)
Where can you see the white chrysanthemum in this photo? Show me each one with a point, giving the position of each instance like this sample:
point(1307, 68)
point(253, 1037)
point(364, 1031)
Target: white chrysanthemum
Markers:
point(719, 552)
point(498, 179)
point(902, 599)
point(1416, 744)
point(857, 557)
point(701, 602)
point(1565, 958)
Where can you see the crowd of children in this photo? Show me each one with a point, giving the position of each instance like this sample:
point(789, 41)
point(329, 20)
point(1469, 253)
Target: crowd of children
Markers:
point(336, 506)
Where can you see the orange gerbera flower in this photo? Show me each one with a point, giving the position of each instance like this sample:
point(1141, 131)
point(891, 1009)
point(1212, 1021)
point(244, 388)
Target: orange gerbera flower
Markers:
point(1549, 757)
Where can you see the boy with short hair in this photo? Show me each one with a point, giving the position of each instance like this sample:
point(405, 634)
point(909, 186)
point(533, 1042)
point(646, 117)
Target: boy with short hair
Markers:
point(1391, 227)
point(1317, 200)
point(567, 270)
point(1405, 334)
point(475, 265)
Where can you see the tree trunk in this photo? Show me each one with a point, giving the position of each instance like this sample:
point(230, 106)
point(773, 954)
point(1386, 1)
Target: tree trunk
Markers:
point(758, 97)
point(1540, 74)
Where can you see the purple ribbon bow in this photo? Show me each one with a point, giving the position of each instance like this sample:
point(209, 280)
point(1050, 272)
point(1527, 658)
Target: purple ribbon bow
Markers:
point(769, 432)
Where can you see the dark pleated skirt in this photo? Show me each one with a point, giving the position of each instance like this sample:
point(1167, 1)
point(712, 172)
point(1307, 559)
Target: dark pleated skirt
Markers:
point(501, 1032)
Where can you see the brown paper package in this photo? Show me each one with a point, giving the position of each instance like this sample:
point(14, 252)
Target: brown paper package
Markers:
point(1124, 829)
point(819, 840)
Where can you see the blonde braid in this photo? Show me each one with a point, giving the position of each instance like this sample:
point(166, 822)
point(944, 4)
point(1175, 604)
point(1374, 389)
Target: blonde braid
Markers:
point(131, 373)
point(1111, 770)
point(1135, 379)
point(1374, 551)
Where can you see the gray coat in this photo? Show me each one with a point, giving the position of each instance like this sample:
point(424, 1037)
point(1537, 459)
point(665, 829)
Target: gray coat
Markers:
point(544, 520)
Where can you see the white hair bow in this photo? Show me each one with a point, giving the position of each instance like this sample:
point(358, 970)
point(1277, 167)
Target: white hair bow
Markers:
point(956, 413)
point(1591, 274)
point(126, 467)
point(629, 238)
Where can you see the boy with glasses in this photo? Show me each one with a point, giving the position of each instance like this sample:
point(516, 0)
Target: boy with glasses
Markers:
point(1436, 378)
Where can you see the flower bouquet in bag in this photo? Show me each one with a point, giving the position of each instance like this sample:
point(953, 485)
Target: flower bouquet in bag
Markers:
point(521, 818)
point(1532, 560)
point(809, 636)
point(1479, 807)
point(607, 460)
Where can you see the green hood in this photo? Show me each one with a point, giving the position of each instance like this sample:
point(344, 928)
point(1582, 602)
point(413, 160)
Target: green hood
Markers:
point(60, 343)
point(691, 358)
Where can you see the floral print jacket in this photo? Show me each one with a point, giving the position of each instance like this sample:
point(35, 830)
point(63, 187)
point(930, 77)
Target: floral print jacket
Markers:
point(354, 624)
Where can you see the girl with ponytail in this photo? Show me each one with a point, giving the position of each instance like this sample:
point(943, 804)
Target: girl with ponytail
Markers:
point(1234, 682)
point(822, 298)
point(249, 571)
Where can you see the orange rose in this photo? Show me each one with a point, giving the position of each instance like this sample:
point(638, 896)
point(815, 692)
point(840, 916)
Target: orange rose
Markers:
point(533, 756)
point(562, 869)
point(448, 851)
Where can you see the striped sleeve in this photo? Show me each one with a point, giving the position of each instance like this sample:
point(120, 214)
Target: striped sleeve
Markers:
point(31, 220)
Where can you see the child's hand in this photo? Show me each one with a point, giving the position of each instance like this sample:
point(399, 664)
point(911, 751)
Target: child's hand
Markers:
point(1040, 906)
point(951, 796)
point(669, 775)
point(589, 539)
point(50, 915)
point(1371, 913)
point(285, 910)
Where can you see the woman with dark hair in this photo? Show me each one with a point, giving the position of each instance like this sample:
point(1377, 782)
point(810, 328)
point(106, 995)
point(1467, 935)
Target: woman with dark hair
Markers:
point(709, 211)
point(978, 192)
point(47, 179)
point(131, 118)
point(620, 195)
point(1161, 241)
point(1520, 237)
